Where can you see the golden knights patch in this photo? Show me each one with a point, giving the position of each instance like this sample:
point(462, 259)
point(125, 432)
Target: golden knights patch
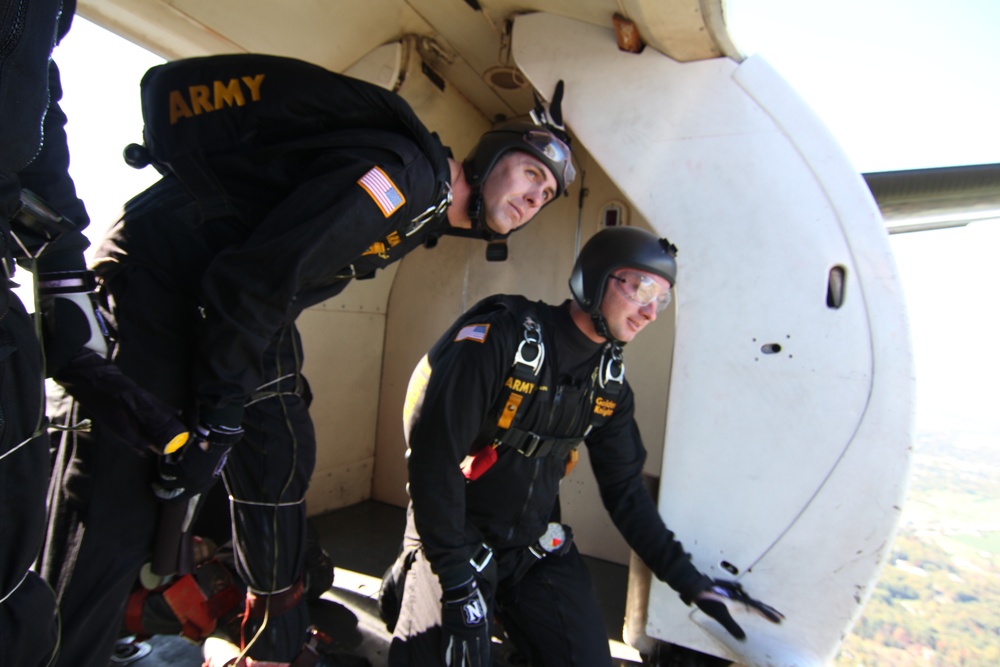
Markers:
point(604, 407)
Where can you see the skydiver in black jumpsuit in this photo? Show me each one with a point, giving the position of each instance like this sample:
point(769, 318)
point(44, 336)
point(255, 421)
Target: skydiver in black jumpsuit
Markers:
point(483, 536)
point(204, 309)
point(34, 156)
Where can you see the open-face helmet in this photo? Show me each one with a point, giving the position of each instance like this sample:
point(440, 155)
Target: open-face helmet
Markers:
point(615, 248)
point(548, 145)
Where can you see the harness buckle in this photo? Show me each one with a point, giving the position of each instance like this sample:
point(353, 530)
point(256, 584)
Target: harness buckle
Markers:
point(612, 366)
point(433, 211)
point(481, 558)
point(532, 339)
point(528, 450)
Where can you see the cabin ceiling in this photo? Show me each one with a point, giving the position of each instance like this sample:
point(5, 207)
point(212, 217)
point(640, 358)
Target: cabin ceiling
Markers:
point(464, 41)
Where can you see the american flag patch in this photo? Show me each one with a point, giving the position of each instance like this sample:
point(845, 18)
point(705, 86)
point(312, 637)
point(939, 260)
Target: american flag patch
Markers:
point(381, 188)
point(476, 332)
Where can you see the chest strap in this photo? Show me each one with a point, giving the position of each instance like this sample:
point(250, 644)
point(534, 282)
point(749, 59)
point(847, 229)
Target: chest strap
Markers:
point(525, 371)
point(607, 385)
point(531, 444)
point(523, 382)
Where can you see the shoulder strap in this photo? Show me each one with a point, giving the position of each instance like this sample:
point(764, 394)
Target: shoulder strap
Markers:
point(525, 371)
point(609, 380)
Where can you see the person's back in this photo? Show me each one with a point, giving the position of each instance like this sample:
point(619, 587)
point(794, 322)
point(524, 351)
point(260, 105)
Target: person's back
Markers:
point(198, 278)
point(208, 271)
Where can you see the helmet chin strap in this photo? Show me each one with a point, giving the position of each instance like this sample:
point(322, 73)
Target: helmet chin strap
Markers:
point(476, 214)
point(601, 327)
point(479, 230)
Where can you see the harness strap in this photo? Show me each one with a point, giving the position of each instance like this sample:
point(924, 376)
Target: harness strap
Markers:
point(531, 444)
point(610, 379)
point(281, 602)
point(522, 383)
point(524, 371)
point(224, 601)
point(133, 612)
point(188, 602)
point(309, 657)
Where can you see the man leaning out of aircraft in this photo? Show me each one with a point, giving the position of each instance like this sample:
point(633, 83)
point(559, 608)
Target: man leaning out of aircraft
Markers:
point(207, 272)
point(495, 412)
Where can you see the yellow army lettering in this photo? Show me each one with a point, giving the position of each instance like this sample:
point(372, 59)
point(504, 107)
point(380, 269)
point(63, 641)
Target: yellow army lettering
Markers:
point(604, 407)
point(204, 99)
point(519, 385)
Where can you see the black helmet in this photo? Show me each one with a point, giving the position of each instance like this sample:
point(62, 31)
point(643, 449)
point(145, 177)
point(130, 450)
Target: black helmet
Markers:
point(548, 145)
point(542, 142)
point(614, 248)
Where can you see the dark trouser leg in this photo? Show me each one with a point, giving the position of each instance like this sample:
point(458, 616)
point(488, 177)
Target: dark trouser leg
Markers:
point(27, 619)
point(101, 524)
point(553, 614)
point(27, 624)
point(27, 606)
point(417, 639)
point(267, 476)
point(102, 509)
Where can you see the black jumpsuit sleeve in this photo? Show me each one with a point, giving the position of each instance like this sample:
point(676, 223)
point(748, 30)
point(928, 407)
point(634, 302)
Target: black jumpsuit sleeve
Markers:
point(465, 379)
point(302, 247)
point(617, 456)
point(48, 177)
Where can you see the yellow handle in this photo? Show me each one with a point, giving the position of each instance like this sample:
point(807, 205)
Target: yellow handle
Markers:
point(176, 442)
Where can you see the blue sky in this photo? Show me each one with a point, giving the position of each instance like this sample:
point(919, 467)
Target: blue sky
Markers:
point(902, 84)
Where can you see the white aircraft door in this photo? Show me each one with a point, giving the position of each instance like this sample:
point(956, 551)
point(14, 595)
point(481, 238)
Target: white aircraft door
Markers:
point(791, 397)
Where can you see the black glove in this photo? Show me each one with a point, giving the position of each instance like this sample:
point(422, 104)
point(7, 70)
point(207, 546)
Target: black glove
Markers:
point(194, 467)
point(712, 601)
point(71, 319)
point(465, 629)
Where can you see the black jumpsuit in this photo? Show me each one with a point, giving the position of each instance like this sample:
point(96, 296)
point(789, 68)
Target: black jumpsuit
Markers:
point(552, 612)
point(204, 311)
point(33, 155)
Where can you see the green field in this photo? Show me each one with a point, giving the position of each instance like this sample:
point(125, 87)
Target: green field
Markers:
point(985, 542)
point(943, 608)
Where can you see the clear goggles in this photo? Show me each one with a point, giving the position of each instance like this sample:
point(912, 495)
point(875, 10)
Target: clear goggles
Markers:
point(642, 290)
point(553, 148)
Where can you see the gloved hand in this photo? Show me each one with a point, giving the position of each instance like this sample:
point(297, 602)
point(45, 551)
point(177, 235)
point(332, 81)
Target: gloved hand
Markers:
point(196, 464)
point(71, 319)
point(465, 629)
point(712, 601)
